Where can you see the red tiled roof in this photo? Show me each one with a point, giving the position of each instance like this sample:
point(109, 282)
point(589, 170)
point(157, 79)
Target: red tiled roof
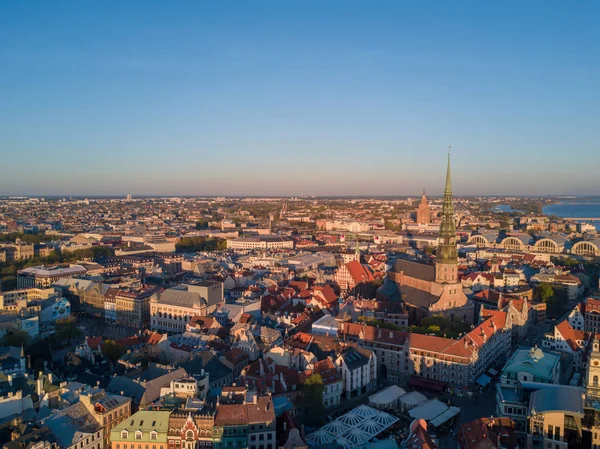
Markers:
point(327, 293)
point(326, 369)
point(570, 335)
point(359, 272)
point(93, 342)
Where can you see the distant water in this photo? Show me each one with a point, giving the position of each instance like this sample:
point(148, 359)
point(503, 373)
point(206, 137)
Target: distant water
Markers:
point(503, 208)
point(575, 210)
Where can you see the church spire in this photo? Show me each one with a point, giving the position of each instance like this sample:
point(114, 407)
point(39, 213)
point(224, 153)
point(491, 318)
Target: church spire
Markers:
point(447, 254)
point(448, 188)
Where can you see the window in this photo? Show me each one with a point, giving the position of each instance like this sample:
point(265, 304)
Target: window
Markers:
point(124, 434)
point(138, 435)
point(595, 381)
point(550, 430)
point(153, 435)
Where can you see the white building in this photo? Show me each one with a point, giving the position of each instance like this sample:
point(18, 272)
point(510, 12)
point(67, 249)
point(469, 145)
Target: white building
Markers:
point(263, 242)
point(358, 368)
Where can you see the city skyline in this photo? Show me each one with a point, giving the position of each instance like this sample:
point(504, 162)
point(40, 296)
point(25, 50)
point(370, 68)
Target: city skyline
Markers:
point(298, 99)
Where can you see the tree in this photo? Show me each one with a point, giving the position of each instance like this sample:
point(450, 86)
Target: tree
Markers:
point(17, 338)
point(544, 292)
point(313, 396)
point(113, 350)
point(66, 329)
point(201, 224)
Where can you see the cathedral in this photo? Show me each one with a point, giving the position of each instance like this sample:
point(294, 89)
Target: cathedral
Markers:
point(429, 289)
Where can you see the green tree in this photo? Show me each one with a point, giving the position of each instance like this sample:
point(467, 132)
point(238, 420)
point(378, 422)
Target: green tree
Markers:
point(66, 330)
point(544, 292)
point(17, 338)
point(113, 350)
point(313, 396)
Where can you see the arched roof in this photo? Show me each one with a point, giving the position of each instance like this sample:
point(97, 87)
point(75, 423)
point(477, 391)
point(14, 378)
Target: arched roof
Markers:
point(594, 242)
point(524, 239)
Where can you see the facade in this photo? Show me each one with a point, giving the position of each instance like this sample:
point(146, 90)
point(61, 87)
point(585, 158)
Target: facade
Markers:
point(244, 422)
point(263, 242)
point(332, 381)
point(567, 340)
point(592, 378)
point(15, 300)
point(92, 299)
point(143, 430)
point(592, 315)
point(423, 211)
point(172, 309)
point(353, 275)
point(133, 306)
point(458, 363)
point(555, 418)
point(17, 251)
point(109, 410)
point(358, 370)
point(44, 277)
point(190, 429)
point(388, 346)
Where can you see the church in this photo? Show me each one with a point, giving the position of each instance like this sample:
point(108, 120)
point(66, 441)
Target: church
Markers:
point(430, 289)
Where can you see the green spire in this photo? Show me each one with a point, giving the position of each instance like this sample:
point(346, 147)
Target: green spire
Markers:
point(448, 189)
point(446, 252)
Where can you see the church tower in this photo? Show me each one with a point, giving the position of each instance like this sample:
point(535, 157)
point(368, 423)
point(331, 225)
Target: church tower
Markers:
point(446, 264)
point(593, 372)
point(423, 212)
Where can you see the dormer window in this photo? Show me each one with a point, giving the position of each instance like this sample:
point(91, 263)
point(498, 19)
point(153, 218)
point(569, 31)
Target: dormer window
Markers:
point(124, 434)
point(138, 435)
point(153, 435)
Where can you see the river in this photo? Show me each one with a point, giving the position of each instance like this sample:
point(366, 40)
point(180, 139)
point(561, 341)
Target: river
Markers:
point(575, 210)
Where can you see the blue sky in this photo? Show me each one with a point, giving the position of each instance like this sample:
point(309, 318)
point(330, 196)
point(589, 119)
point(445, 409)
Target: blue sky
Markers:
point(299, 97)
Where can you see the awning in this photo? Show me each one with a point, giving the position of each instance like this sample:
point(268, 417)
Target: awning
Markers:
point(445, 416)
point(433, 385)
point(483, 380)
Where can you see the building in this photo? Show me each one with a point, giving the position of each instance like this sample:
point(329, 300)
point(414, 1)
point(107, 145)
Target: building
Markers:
point(172, 310)
point(132, 306)
point(17, 251)
point(388, 346)
point(190, 429)
point(457, 364)
point(44, 277)
point(358, 370)
point(332, 382)
point(262, 242)
point(489, 433)
point(531, 365)
point(109, 410)
point(555, 418)
point(75, 428)
point(567, 340)
point(592, 315)
point(143, 430)
point(592, 378)
point(16, 300)
point(354, 277)
point(435, 289)
point(244, 420)
point(423, 214)
point(92, 299)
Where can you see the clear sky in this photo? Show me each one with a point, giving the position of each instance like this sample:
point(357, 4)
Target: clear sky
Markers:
point(299, 97)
